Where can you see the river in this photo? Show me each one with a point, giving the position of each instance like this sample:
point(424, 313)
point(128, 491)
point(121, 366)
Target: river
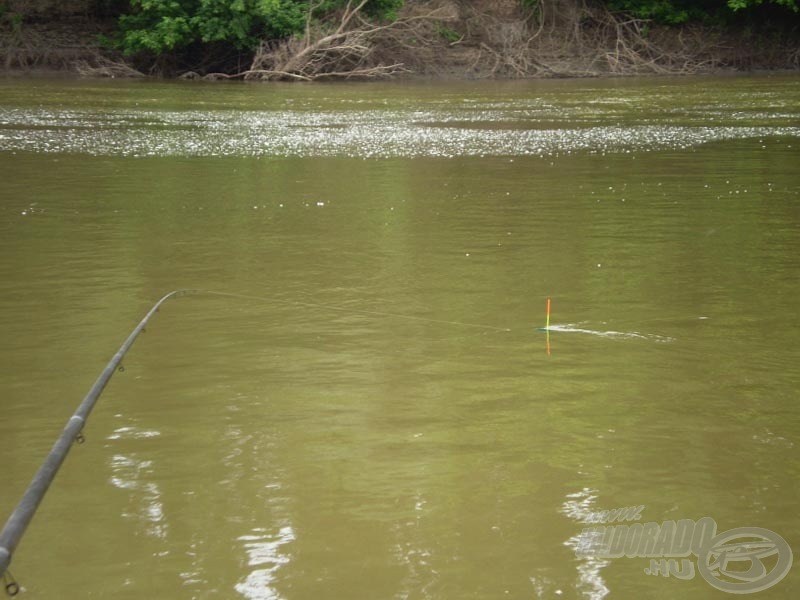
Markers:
point(367, 406)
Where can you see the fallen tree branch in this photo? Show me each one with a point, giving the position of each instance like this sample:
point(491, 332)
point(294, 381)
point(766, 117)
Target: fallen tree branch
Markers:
point(101, 66)
point(344, 52)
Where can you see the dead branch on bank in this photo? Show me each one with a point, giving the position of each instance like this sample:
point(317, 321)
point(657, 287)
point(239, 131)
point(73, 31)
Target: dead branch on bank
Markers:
point(572, 38)
point(69, 45)
point(100, 66)
point(26, 48)
point(346, 51)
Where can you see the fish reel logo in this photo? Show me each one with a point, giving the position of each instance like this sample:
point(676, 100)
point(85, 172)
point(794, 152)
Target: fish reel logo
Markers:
point(743, 560)
point(737, 567)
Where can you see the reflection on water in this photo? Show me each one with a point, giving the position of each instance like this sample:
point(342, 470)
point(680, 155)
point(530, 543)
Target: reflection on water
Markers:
point(131, 474)
point(133, 433)
point(264, 550)
point(579, 506)
point(416, 555)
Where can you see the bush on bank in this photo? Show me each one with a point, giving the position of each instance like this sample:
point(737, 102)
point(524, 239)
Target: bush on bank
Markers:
point(720, 12)
point(162, 26)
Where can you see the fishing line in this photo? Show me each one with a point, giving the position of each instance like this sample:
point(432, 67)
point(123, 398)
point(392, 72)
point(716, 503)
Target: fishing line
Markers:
point(483, 329)
point(350, 310)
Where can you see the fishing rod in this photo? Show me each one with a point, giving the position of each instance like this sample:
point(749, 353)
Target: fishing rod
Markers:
point(19, 520)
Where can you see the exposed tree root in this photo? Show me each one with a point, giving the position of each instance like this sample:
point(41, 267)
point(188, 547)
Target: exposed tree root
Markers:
point(570, 38)
point(564, 38)
point(69, 44)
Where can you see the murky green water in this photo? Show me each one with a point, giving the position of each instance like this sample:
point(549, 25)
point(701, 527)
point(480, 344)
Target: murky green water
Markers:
point(372, 413)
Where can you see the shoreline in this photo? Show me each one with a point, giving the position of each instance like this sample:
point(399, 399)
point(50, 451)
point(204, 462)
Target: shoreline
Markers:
point(67, 74)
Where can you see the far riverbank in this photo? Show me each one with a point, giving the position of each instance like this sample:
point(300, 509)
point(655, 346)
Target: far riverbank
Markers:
point(431, 39)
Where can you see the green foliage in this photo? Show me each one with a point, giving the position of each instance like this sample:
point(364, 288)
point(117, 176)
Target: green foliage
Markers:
point(450, 35)
point(385, 9)
point(675, 12)
point(744, 4)
point(663, 11)
point(166, 26)
point(282, 18)
point(161, 26)
point(12, 19)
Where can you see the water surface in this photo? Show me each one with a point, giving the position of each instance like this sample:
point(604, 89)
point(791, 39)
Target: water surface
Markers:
point(371, 412)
